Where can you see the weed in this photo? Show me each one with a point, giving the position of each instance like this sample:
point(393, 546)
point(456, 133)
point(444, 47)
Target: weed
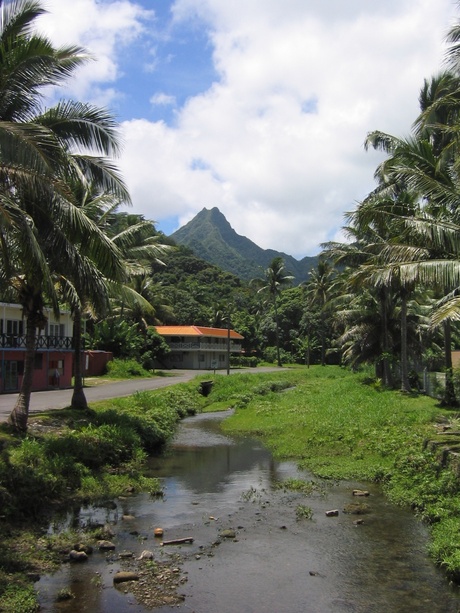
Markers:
point(252, 494)
point(303, 512)
point(298, 485)
point(64, 594)
point(21, 599)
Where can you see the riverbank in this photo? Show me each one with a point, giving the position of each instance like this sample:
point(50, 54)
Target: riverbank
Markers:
point(335, 423)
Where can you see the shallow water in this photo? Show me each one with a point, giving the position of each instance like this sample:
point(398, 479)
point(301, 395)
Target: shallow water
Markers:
point(276, 562)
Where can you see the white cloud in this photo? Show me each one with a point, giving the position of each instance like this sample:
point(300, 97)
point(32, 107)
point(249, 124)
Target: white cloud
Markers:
point(277, 142)
point(162, 99)
point(104, 29)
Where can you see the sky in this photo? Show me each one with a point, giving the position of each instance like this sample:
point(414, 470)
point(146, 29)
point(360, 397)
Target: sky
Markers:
point(257, 107)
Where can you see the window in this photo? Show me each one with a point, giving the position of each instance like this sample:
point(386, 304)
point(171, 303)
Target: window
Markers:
point(14, 327)
point(56, 330)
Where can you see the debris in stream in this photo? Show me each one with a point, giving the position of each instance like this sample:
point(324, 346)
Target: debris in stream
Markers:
point(125, 576)
point(360, 493)
point(332, 513)
point(227, 534)
point(181, 541)
point(356, 508)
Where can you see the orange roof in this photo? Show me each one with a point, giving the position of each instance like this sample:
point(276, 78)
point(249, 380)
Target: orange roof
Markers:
point(196, 331)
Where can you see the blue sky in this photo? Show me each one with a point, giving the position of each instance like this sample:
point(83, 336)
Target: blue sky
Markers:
point(258, 107)
point(182, 67)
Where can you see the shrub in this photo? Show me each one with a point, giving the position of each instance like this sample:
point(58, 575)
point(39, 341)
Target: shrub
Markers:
point(269, 355)
point(125, 369)
point(21, 599)
point(243, 360)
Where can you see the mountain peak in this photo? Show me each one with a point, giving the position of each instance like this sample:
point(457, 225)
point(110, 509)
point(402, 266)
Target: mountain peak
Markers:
point(212, 238)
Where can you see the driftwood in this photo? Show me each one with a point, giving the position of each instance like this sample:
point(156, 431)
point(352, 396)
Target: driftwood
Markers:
point(187, 539)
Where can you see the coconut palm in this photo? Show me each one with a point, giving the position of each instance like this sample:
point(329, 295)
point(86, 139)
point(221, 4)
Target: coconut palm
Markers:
point(275, 279)
point(319, 291)
point(41, 151)
point(428, 163)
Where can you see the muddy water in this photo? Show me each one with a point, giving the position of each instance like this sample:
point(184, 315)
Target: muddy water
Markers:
point(276, 562)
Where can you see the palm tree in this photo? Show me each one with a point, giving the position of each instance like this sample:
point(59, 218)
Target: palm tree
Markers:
point(275, 279)
point(319, 291)
point(40, 152)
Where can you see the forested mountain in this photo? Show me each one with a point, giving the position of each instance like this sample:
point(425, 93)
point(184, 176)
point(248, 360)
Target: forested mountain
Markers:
point(211, 237)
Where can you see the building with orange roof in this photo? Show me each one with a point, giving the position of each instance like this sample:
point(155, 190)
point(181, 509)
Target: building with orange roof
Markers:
point(199, 347)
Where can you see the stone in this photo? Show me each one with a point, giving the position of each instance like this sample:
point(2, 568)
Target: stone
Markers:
point(106, 545)
point(146, 555)
point(83, 547)
point(123, 576)
point(77, 556)
point(228, 534)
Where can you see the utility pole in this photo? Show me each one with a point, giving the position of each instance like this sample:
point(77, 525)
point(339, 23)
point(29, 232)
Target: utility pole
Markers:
point(228, 342)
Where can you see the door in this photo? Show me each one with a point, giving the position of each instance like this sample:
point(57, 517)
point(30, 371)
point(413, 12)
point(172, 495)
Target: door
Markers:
point(11, 375)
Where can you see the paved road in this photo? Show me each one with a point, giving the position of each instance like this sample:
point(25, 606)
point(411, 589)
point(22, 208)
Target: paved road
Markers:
point(58, 399)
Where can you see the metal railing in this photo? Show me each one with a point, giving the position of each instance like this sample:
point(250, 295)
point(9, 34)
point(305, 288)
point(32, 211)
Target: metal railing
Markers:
point(14, 341)
point(191, 346)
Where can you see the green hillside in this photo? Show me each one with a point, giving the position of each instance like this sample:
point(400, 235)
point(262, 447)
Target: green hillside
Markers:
point(211, 237)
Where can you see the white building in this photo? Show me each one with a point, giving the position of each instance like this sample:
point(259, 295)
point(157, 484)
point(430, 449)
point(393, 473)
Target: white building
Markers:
point(198, 347)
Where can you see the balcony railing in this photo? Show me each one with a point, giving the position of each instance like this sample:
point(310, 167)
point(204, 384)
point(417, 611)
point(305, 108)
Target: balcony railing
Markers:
point(13, 341)
point(191, 346)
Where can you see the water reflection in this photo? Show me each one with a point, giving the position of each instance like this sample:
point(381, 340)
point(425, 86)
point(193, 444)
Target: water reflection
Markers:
point(276, 563)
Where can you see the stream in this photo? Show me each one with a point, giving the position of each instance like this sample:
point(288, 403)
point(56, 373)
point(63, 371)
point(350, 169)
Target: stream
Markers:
point(272, 559)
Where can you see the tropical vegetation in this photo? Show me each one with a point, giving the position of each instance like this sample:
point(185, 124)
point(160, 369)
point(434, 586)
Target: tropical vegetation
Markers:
point(387, 297)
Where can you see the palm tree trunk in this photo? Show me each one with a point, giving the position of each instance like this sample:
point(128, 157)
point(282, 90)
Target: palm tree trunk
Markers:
point(385, 339)
point(78, 396)
point(405, 385)
point(20, 414)
point(449, 398)
point(323, 340)
point(278, 357)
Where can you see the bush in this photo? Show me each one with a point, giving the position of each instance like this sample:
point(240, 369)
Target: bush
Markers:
point(21, 599)
point(125, 369)
point(269, 355)
point(33, 479)
point(245, 361)
point(95, 447)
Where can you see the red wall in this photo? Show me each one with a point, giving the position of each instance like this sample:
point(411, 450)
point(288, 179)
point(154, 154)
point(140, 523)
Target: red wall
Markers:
point(44, 377)
point(95, 362)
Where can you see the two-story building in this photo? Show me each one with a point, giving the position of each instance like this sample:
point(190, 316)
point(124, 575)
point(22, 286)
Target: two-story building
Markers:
point(54, 353)
point(198, 347)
